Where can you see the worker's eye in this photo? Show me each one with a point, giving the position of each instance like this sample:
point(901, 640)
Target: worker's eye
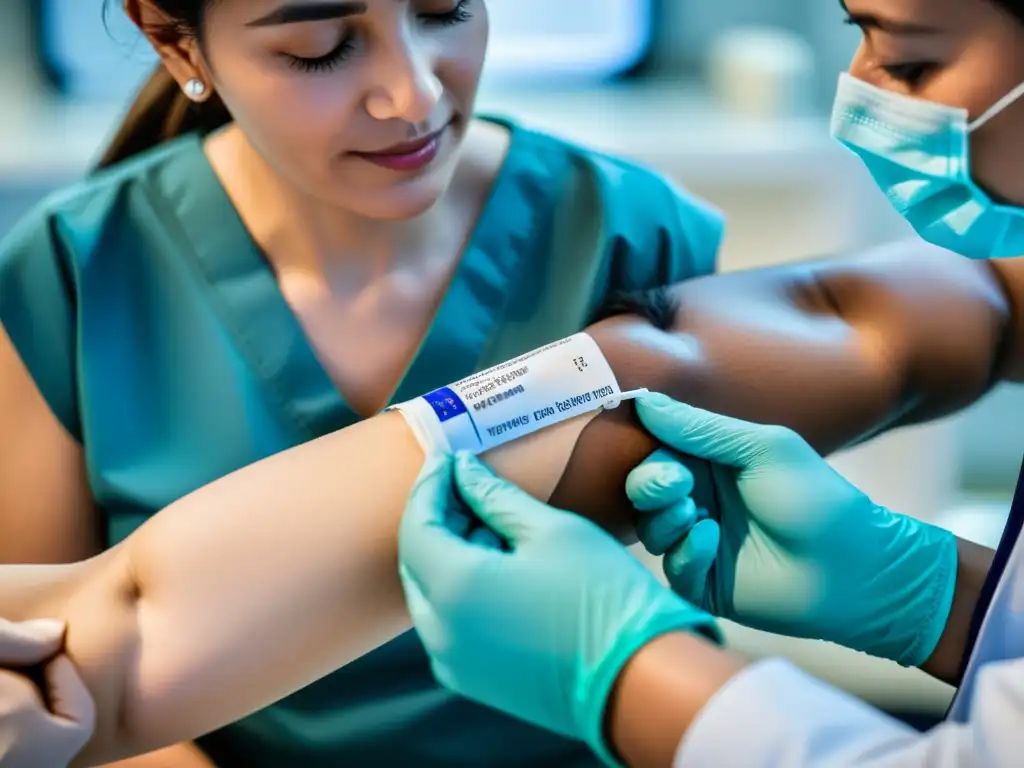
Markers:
point(346, 47)
point(325, 63)
point(450, 17)
point(911, 73)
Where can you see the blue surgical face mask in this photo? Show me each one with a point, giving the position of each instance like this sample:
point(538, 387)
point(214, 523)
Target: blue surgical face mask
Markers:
point(918, 153)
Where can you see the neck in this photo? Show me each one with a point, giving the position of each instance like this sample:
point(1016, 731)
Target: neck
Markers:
point(299, 232)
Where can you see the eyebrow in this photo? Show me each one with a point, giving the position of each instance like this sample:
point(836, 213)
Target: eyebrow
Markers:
point(298, 13)
point(870, 21)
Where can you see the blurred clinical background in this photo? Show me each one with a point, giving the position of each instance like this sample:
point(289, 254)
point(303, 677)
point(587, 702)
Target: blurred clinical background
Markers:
point(728, 97)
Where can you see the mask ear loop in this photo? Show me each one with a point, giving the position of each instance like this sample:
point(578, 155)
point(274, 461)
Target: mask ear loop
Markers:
point(996, 108)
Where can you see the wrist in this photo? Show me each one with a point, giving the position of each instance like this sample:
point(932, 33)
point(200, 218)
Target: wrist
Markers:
point(661, 613)
point(945, 661)
point(936, 592)
point(660, 692)
point(898, 613)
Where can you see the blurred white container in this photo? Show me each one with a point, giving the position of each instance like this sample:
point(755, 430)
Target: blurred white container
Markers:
point(761, 72)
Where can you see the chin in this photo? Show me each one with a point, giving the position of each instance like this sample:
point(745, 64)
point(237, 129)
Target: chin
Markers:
point(403, 201)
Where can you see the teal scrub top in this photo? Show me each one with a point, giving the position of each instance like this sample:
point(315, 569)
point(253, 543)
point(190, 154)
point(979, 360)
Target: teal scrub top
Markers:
point(155, 329)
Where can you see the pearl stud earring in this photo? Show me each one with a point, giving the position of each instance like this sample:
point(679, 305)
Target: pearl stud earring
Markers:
point(195, 89)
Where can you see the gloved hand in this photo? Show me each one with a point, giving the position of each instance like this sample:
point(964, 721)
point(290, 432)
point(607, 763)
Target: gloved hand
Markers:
point(797, 550)
point(541, 626)
point(32, 736)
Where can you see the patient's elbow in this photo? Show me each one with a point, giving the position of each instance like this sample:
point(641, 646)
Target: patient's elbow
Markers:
point(613, 444)
point(103, 641)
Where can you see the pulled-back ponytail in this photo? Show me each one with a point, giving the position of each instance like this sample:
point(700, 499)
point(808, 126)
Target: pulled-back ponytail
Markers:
point(1013, 7)
point(161, 111)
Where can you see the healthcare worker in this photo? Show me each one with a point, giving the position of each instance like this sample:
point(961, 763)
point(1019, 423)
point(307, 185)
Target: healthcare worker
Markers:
point(301, 221)
point(563, 628)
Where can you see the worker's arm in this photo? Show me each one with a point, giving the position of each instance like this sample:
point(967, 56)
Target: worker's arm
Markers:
point(903, 334)
point(947, 660)
point(681, 701)
point(277, 574)
point(631, 669)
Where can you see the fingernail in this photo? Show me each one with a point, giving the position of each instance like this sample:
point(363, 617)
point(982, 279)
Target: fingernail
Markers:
point(666, 477)
point(655, 400)
point(671, 472)
point(44, 627)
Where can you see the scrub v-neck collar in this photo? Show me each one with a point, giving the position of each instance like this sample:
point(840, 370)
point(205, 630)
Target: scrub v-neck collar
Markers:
point(244, 291)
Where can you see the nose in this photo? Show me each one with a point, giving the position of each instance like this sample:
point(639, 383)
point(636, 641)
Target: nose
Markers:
point(409, 89)
point(859, 64)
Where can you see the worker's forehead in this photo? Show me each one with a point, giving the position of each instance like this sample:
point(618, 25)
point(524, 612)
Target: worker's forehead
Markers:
point(939, 13)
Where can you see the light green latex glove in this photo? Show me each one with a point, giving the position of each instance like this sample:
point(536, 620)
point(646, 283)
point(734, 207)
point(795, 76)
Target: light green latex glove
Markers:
point(541, 627)
point(790, 547)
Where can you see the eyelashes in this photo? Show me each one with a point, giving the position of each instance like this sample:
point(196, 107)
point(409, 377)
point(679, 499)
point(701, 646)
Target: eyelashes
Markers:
point(343, 50)
point(324, 63)
point(909, 73)
point(456, 15)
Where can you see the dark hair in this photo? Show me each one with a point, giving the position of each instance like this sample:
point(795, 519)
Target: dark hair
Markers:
point(658, 306)
point(1013, 7)
point(160, 111)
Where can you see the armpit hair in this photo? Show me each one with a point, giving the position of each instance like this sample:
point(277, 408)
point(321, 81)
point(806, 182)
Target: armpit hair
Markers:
point(658, 306)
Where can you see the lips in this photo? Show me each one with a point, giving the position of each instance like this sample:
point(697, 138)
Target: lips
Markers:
point(407, 148)
point(409, 155)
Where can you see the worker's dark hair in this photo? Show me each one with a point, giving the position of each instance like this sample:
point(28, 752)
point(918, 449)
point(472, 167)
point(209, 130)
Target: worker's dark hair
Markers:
point(161, 111)
point(658, 306)
point(1014, 7)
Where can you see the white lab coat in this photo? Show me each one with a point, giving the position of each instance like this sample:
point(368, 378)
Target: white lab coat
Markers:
point(772, 715)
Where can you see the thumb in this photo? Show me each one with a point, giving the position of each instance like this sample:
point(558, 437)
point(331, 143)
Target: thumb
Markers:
point(699, 433)
point(30, 642)
point(70, 700)
point(433, 524)
point(505, 508)
point(688, 564)
point(659, 481)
